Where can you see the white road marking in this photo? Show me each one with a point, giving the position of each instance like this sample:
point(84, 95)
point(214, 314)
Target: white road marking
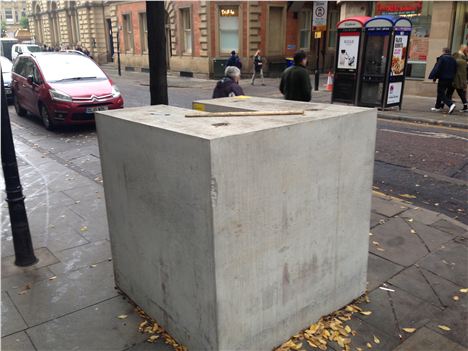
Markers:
point(434, 135)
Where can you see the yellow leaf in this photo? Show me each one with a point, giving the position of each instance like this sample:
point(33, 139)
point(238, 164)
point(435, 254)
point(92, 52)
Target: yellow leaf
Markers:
point(348, 329)
point(122, 316)
point(366, 313)
point(313, 328)
point(380, 249)
point(84, 229)
point(413, 231)
point(312, 344)
point(369, 345)
point(464, 290)
point(52, 278)
point(408, 196)
point(142, 325)
point(376, 340)
point(152, 338)
point(409, 330)
point(456, 298)
point(358, 349)
point(444, 327)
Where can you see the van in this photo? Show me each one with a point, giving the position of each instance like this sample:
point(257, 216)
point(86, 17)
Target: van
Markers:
point(6, 45)
point(19, 49)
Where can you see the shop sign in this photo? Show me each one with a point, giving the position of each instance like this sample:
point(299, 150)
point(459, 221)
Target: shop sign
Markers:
point(319, 19)
point(399, 8)
point(399, 55)
point(394, 93)
point(228, 11)
point(348, 50)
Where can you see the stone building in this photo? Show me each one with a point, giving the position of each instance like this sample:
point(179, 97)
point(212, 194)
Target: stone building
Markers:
point(11, 12)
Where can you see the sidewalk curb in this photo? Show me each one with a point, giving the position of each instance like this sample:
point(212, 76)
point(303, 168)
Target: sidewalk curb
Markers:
point(407, 118)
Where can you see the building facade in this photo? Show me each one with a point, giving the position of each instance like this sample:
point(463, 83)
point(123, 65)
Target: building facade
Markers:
point(11, 12)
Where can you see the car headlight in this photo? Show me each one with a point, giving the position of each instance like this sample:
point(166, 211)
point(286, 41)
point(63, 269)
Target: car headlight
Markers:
point(115, 91)
point(59, 96)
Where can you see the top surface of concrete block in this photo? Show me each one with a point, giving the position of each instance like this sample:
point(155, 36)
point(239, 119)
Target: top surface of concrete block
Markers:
point(173, 118)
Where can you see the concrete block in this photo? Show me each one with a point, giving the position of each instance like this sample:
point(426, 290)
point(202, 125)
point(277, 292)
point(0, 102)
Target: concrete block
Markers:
point(235, 233)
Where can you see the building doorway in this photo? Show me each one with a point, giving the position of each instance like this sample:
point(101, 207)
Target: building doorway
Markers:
point(110, 41)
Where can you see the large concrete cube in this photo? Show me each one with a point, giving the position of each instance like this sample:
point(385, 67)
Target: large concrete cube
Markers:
point(236, 233)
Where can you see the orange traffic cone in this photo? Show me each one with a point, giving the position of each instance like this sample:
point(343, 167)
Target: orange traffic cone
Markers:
point(329, 81)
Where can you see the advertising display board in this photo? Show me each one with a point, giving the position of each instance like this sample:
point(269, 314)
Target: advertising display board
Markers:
point(398, 63)
point(348, 48)
point(394, 93)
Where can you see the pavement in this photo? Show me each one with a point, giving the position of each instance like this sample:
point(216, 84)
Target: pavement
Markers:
point(416, 109)
point(67, 301)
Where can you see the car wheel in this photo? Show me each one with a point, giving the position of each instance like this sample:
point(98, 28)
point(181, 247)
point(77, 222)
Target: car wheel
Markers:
point(46, 120)
point(19, 110)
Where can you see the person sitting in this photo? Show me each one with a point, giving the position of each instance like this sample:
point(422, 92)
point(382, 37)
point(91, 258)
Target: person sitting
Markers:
point(229, 84)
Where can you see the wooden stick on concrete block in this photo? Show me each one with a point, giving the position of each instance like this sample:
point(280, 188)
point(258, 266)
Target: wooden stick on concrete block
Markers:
point(243, 114)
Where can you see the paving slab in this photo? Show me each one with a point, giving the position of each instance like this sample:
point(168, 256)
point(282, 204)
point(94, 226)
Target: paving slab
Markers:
point(45, 257)
point(17, 342)
point(450, 262)
point(456, 318)
point(427, 286)
point(83, 256)
point(399, 245)
point(392, 311)
point(421, 215)
point(432, 237)
point(379, 270)
point(93, 328)
point(450, 228)
point(377, 219)
point(19, 280)
point(386, 207)
point(11, 320)
point(146, 346)
point(427, 340)
point(54, 298)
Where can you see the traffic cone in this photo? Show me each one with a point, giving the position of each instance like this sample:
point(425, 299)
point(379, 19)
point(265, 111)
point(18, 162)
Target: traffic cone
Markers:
point(329, 81)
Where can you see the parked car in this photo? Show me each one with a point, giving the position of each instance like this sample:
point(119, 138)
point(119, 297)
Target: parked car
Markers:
point(6, 74)
point(62, 88)
point(19, 49)
point(75, 52)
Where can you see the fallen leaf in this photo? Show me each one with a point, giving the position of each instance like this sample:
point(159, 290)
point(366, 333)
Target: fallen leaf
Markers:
point(152, 338)
point(376, 340)
point(84, 229)
point(456, 298)
point(409, 330)
point(142, 325)
point(375, 243)
point(122, 316)
point(464, 290)
point(408, 196)
point(369, 345)
point(380, 249)
point(413, 231)
point(93, 265)
point(52, 278)
point(348, 329)
point(444, 327)
point(366, 313)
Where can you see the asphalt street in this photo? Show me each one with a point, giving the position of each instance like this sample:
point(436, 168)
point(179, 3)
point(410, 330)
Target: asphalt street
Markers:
point(426, 165)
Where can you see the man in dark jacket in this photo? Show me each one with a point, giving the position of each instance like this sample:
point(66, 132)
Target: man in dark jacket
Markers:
point(234, 60)
point(229, 84)
point(295, 81)
point(444, 71)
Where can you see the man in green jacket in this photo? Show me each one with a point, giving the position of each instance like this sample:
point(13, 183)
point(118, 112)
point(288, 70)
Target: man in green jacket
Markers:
point(295, 81)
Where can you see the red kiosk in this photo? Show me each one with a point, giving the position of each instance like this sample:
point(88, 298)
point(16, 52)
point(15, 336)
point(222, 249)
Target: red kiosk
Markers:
point(350, 33)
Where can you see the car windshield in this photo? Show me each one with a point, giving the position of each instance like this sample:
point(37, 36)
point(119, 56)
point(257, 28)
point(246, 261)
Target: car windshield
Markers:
point(58, 67)
point(33, 48)
point(6, 64)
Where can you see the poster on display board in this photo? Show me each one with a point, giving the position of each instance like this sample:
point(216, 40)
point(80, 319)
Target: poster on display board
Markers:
point(348, 51)
point(394, 93)
point(400, 45)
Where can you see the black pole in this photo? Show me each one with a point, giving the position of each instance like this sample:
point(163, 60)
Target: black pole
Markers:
point(118, 51)
point(156, 15)
point(22, 243)
point(316, 87)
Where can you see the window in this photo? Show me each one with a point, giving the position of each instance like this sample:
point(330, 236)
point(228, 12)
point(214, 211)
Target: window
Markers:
point(186, 25)
point(9, 15)
point(332, 22)
point(18, 66)
point(305, 23)
point(228, 29)
point(127, 32)
point(143, 33)
point(275, 31)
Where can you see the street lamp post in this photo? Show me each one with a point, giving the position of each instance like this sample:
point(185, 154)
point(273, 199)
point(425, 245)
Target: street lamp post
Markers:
point(22, 243)
point(118, 51)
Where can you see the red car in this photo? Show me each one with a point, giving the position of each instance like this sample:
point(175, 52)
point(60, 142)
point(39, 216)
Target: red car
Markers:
point(62, 88)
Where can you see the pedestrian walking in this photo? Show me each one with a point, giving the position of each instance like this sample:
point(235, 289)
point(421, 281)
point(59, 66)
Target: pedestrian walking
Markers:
point(459, 82)
point(229, 84)
point(234, 60)
point(444, 71)
point(258, 67)
point(295, 81)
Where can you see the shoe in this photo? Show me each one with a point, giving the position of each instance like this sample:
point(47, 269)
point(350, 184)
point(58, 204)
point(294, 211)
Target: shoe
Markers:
point(263, 84)
point(435, 109)
point(452, 107)
point(464, 109)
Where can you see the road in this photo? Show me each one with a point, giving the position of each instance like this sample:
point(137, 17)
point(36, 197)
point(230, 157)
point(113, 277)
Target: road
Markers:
point(426, 165)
